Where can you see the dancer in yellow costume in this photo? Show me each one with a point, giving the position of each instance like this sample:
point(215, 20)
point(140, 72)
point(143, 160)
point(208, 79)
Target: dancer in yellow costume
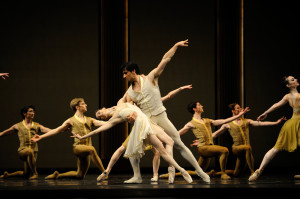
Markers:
point(143, 132)
point(106, 113)
point(28, 150)
point(239, 131)
point(201, 127)
point(83, 149)
point(289, 136)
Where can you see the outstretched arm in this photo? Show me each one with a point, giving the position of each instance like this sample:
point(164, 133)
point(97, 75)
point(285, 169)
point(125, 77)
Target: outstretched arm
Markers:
point(4, 75)
point(220, 131)
point(275, 106)
point(223, 121)
point(114, 120)
point(155, 73)
point(174, 92)
point(59, 129)
point(44, 129)
point(186, 128)
point(11, 130)
point(266, 123)
point(97, 123)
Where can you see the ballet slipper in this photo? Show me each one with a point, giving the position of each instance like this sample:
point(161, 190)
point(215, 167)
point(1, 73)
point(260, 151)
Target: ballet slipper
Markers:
point(103, 176)
point(166, 175)
point(171, 171)
point(186, 176)
point(5, 175)
point(33, 177)
point(154, 179)
point(224, 176)
point(52, 176)
point(134, 180)
point(203, 176)
point(255, 175)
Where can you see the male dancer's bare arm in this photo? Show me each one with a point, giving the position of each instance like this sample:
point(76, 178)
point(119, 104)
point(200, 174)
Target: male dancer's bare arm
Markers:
point(44, 129)
point(175, 92)
point(155, 73)
point(275, 106)
point(11, 130)
point(97, 123)
point(59, 129)
point(266, 123)
point(220, 131)
point(186, 128)
point(223, 121)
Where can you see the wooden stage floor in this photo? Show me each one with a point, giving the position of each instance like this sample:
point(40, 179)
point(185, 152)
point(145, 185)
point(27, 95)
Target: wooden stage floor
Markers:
point(268, 186)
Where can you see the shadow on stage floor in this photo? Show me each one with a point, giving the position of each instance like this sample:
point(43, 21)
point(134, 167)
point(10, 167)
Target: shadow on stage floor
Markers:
point(268, 186)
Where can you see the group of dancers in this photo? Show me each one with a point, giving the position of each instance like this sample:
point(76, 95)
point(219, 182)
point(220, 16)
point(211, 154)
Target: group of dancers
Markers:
point(142, 105)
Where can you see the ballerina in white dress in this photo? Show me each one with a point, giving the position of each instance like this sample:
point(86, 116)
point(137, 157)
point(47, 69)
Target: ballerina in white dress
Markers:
point(143, 132)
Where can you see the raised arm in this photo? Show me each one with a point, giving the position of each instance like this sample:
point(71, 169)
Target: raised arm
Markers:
point(114, 120)
point(223, 121)
point(266, 123)
point(172, 93)
point(59, 129)
point(220, 131)
point(275, 106)
point(11, 130)
point(186, 128)
point(155, 73)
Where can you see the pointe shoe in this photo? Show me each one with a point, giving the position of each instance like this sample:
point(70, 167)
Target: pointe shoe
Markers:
point(224, 176)
point(102, 176)
point(52, 176)
point(171, 171)
point(254, 176)
point(134, 180)
point(203, 176)
point(154, 179)
point(186, 176)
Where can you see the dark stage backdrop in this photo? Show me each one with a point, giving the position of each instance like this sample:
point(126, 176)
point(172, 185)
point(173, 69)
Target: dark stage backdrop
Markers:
point(51, 50)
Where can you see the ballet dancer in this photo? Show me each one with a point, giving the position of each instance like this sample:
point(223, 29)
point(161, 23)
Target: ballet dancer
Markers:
point(82, 149)
point(144, 91)
point(289, 136)
point(27, 150)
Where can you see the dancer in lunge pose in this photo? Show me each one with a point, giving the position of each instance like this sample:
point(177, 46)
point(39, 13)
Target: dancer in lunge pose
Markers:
point(101, 114)
point(83, 149)
point(239, 131)
point(289, 136)
point(144, 91)
point(143, 132)
point(201, 127)
point(28, 150)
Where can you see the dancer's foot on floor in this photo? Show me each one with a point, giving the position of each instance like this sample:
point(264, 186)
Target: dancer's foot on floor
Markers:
point(134, 180)
point(103, 176)
point(203, 176)
point(254, 176)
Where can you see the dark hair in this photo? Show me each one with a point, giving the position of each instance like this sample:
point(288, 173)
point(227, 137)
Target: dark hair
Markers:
point(191, 106)
point(231, 106)
point(25, 110)
point(284, 82)
point(130, 66)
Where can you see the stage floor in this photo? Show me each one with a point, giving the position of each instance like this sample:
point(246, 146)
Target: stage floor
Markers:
point(268, 186)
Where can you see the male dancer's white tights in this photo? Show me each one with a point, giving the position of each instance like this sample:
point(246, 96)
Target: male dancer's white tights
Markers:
point(163, 121)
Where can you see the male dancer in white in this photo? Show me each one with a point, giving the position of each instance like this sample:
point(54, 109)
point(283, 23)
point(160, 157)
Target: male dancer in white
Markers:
point(145, 92)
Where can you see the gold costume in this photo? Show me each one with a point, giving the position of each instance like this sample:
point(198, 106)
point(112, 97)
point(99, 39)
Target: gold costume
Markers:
point(289, 136)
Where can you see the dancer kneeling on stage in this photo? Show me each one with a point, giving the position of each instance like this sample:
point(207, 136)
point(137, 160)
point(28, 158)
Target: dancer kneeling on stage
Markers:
point(143, 132)
point(28, 150)
point(83, 149)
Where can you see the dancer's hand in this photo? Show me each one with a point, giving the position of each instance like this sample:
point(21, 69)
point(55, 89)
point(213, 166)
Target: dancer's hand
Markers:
point(3, 75)
point(183, 43)
point(76, 136)
point(131, 118)
point(262, 117)
point(36, 138)
point(244, 111)
point(195, 143)
point(280, 120)
point(186, 87)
